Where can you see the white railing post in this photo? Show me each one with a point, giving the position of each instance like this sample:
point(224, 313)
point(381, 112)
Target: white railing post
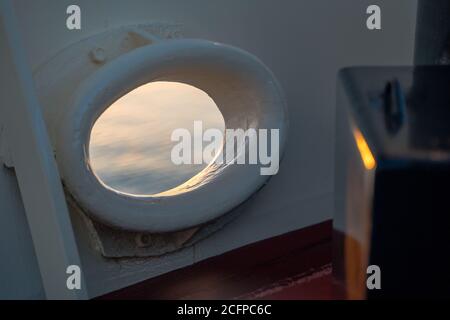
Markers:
point(32, 157)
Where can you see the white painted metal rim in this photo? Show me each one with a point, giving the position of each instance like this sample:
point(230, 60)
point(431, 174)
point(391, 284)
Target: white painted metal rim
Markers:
point(246, 93)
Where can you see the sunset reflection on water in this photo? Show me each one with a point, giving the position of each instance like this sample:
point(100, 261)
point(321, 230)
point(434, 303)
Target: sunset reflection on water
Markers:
point(130, 143)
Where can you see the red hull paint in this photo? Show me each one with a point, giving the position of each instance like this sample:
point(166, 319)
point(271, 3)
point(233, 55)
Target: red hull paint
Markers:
point(296, 265)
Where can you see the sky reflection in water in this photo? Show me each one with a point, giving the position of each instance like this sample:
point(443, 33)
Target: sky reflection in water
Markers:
point(130, 143)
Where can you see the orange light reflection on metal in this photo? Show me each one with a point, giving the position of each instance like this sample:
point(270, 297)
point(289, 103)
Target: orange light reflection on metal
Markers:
point(364, 150)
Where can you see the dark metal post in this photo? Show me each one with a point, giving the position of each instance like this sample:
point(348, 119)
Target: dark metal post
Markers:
point(433, 32)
